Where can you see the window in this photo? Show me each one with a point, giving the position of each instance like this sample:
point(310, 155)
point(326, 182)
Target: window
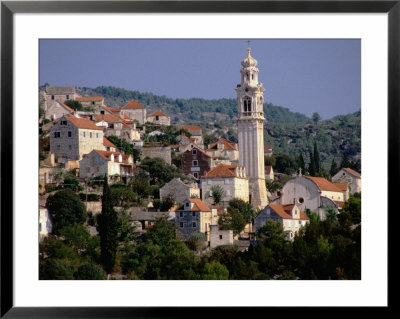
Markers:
point(90, 134)
point(98, 169)
point(195, 163)
point(247, 104)
point(220, 236)
point(58, 147)
point(57, 134)
point(194, 152)
point(84, 134)
point(194, 214)
point(226, 181)
point(93, 102)
point(181, 214)
point(97, 135)
point(301, 200)
point(67, 96)
point(196, 175)
point(208, 181)
point(228, 192)
point(88, 169)
point(181, 225)
point(52, 97)
point(69, 134)
point(70, 147)
point(194, 225)
point(63, 122)
point(187, 204)
point(157, 118)
point(252, 76)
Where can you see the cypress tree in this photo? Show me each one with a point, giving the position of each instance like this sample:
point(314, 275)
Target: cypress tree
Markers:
point(317, 161)
point(333, 169)
point(108, 230)
point(311, 166)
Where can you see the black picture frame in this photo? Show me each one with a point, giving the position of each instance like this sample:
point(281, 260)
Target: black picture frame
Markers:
point(9, 8)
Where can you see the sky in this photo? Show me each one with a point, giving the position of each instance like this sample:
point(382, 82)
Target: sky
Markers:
point(306, 76)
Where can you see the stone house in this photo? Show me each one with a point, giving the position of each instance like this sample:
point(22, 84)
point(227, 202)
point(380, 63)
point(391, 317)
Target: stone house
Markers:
point(108, 145)
point(163, 152)
point(58, 93)
point(158, 117)
point(115, 165)
point(94, 102)
point(71, 137)
point(144, 220)
point(45, 224)
point(57, 109)
point(110, 110)
point(267, 150)
point(351, 177)
point(269, 173)
point(225, 149)
point(219, 237)
point(180, 190)
point(290, 216)
point(135, 111)
point(196, 162)
point(232, 179)
point(196, 134)
point(195, 217)
point(314, 193)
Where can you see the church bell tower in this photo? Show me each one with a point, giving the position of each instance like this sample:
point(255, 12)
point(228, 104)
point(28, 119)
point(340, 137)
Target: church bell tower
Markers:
point(251, 130)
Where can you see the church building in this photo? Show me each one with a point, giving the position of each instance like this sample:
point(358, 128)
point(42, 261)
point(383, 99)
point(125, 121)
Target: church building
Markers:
point(251, 130)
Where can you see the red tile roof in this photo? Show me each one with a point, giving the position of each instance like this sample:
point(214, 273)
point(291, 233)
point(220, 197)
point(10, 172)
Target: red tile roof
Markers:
point(89, 98)
point(132, 104)
point(267, 148)
point(228, 145)
point(284, 211)
point(191, 127)
point(324, 185)
point(199, 150)
point(342, 186)
point(158, 113)
point(199, 205)
point(352, 172)
point(82, 123)
point(339, 203)
point(107, 142)
point(112, 109)
point(222, 170)
point(107, 155)
point(109, 118)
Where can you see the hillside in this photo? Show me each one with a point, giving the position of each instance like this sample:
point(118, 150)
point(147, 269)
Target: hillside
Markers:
point(288, 132)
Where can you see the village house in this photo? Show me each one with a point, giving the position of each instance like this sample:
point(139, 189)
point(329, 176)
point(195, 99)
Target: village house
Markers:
point(224, 149)
point(196, 162)
point(94, 102)
point(58, 93)
point(231, 178)
point(110, 110)
point(143, 220)
point(290, 216)
point(195, 217)
point(267, 150)
point(269, 173)
point(219, 237)
point(158, 117)
point(196, 134)
point(71, 137)
point(108, 146)
point(351, 177)
point(117, 166)
point(314, 193)
point(180, 190)
point(57, 109)
point(135, 111)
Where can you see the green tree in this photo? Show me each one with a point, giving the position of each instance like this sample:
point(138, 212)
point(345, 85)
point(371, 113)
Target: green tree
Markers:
point(285, 163)
point(77, 106)
point(108, 230)
point(65, 208)
point(334, 168)
point(312, 170)
point(316, 117)
point(317, 161)
point(300, 163)
point(197, 241)
point(217, 193)
point(89, 271)
point(243, 207)
point(162, 232)
point(232, 220)
point(41, 112)
point(53, 269)
point(214, 271)
point(167, 203)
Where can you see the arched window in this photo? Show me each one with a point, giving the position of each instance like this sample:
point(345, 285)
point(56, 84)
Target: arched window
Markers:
point(247, 104)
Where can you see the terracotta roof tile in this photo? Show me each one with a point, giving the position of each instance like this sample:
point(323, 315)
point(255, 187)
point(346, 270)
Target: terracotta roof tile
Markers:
point(191, 127)
point(352, 172)
point(267, 148)
point(83, 123)
point(199, 204)
point(109, 118)
point(89, 98)
point(132, 104)
point(158, 113)
point(107, 155)
point(339, 203)
point(107, 142)
point(324, 185)
point(284, 211)
point(112, 109)
point(228, 145)
point(66, 106)
point(342, 186)
point(222, 170)
point(268, 169)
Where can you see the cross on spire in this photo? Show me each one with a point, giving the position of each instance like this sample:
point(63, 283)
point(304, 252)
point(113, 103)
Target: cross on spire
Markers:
point(248, 48)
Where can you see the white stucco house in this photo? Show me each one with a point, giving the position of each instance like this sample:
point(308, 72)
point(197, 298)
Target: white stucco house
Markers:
point(351, 177)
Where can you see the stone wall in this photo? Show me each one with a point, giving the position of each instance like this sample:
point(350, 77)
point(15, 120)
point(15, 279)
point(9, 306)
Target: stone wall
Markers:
point(220, 237)
point(163, 152)
point(94, 207)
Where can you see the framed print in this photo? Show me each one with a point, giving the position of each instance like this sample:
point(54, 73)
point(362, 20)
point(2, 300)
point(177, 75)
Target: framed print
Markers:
point(172, 47)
